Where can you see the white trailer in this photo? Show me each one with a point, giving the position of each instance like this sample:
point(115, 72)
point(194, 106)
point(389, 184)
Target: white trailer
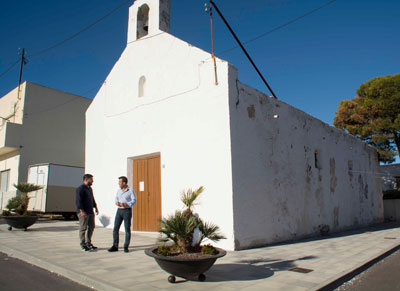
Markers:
point(59, 184)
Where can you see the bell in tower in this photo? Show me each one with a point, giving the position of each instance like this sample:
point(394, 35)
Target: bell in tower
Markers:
point(148, 17)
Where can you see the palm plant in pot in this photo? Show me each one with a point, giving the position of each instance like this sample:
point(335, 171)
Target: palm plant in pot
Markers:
point(182, 252)
point(18, 215)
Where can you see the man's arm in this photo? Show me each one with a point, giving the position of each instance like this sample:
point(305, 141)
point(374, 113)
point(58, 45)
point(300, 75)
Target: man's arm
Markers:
point(116, 200)
point(133, 198)
point(95, 205)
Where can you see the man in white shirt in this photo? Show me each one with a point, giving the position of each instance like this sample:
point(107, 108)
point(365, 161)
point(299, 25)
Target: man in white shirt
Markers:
point(124, 200)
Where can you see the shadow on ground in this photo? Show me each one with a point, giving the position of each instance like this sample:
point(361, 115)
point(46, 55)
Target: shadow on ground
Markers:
point(247, 270)
point(38, 227)
point(131, 248)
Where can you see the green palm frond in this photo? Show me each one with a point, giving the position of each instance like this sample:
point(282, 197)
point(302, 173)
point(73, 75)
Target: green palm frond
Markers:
point(209, 231)
point(189, 197)
point(27, 187)
point(177, 226)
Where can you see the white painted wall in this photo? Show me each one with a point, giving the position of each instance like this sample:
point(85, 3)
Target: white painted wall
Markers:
point(278, 192)
point(183, 116)
point(11, 108)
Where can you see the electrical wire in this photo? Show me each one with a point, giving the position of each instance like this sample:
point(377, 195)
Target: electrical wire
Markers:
point(9, 68)
point(79, 32)
point(280, 26)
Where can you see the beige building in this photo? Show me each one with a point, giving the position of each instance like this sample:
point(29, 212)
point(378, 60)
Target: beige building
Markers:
point(39, 125)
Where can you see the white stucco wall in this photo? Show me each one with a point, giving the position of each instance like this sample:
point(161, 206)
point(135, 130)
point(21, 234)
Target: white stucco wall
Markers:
point(183, 116)
point(279, 193)
point(11, 108)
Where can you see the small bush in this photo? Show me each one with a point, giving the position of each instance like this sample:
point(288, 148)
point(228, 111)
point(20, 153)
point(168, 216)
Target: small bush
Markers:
point(208, 250)
point(391, 194)
point(26, 213)
point(5, 213)
point(14, 203)
point(164, 250)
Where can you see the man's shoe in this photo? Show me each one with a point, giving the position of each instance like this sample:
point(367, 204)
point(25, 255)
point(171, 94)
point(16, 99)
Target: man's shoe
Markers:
point(126, 250)
point(85, 248)
point(113, 249)
point(92, 247)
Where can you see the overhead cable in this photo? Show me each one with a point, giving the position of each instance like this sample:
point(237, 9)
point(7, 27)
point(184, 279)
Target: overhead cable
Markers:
point(79, 32)
point(279, 27)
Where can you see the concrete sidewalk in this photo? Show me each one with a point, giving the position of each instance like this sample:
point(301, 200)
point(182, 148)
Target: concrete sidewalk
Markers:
point(54, 246)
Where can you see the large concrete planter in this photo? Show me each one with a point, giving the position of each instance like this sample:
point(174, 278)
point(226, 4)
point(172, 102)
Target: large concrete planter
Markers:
point(22, 222)
point(188, 268)
point(391, 208)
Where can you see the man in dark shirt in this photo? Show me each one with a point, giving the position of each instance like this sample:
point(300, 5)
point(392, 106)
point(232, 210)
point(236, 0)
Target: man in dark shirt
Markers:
point(84, 206)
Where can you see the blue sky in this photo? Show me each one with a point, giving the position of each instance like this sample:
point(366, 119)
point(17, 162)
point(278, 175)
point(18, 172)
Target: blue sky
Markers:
point(312, 64)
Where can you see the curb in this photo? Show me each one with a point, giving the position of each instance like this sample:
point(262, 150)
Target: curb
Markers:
point(69, 274)
point(348, 275)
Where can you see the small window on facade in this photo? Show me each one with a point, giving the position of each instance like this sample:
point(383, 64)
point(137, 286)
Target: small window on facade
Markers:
point(142, 21)
point(142, 86)
point(4, 180)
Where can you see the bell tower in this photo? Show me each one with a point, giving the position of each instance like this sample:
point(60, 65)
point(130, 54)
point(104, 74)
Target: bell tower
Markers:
point(148, 17)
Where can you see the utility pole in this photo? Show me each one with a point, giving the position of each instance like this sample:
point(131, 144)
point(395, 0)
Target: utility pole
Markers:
point(242, 47)
point(212, 45)
point(20, 70)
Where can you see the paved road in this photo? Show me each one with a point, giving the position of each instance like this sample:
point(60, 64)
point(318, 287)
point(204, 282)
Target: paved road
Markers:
point(383, 276)
point(17, 275)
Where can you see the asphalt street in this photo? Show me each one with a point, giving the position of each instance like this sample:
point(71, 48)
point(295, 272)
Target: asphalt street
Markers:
point(383, 276)
point(16, 275)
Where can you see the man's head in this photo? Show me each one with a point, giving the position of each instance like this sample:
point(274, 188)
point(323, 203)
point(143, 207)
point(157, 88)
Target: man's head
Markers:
point(123, 182)
point(88, 179)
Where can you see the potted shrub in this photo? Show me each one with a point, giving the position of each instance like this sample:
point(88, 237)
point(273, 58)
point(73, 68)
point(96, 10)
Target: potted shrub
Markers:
point(182, 253)
point(18, 215)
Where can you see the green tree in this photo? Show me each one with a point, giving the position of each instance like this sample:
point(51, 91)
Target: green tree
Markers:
point(374, 115)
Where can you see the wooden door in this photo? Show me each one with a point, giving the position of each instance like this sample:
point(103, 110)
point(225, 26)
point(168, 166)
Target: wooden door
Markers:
point(147, 185)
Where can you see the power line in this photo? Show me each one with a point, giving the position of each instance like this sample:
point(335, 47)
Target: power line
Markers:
point(280, 26)
point(9, 68)
point(90, 90)
point(242, 47)
point(67, 39)
point(79, 32)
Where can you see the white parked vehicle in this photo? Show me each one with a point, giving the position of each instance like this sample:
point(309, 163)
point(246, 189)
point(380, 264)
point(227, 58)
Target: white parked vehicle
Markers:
point(59, 184)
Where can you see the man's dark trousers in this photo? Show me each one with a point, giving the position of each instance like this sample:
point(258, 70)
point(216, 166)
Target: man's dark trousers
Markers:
point(123, 214)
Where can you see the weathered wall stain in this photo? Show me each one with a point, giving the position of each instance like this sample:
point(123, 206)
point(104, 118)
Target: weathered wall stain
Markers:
point(361, 189)
point(350, 169)
point(336, 217)
point(366, 191)
point(333, 183)
point(251, 111)
point(308, 173)
point(320, 199)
